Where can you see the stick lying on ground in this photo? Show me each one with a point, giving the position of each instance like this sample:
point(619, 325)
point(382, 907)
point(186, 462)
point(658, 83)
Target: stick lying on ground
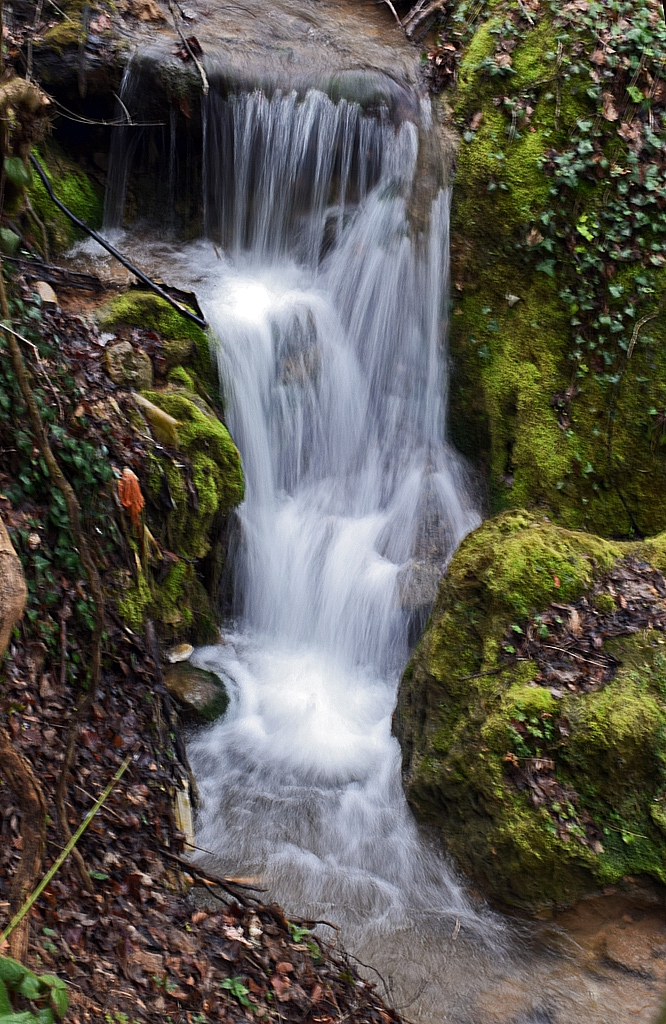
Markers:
point(37, 270)
point(199, 321)
point(60, 859)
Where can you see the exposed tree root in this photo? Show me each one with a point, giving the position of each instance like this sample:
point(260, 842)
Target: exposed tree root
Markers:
point(14, 766)
point(33, 833)
point(421, 16)
point(74, 514)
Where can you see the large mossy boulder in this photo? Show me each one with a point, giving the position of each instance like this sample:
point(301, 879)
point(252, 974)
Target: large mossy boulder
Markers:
point(532, 718)
point(558, 326)
point(192, 476)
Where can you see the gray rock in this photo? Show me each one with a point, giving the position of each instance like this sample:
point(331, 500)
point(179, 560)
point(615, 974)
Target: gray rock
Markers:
point(202, 695)
point(418, 583)
point(128, 366)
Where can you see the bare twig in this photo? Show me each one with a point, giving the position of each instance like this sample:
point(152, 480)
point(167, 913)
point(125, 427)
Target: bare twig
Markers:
point(65, 613)
point(576, 657)
point(199, 65)
point(395, 13)
point(419, 14)
point(222, 883)
point(42, 227)
point(641, 323)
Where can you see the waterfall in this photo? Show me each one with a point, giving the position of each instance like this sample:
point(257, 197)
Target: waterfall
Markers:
point(327, 309)
point(324, 277)
point(323, 270)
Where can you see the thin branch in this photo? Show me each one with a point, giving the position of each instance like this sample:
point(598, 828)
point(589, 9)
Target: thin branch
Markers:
point(641, 323)
point(395, 13)
point(199, 65)
point(60, 860)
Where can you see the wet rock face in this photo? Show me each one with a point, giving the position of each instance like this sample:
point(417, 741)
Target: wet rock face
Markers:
point(531, 717)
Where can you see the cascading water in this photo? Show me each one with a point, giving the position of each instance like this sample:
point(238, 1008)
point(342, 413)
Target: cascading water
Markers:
point(327, 302)
point(335, 383)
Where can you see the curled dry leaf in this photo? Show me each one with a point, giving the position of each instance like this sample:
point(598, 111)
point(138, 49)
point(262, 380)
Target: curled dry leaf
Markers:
point(281, 987)
point(608, 109)
point(131, 498)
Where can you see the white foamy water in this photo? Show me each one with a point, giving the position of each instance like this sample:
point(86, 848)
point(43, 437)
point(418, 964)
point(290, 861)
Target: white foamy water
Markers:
point(335, 390)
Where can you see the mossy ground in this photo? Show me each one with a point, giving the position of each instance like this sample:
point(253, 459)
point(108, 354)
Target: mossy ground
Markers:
point(191, 490)
point(550, 428)
point(148, 310)
point(460, 698)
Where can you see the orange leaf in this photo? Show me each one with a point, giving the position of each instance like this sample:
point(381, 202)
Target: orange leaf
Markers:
point(556, 581)
point(131, 498)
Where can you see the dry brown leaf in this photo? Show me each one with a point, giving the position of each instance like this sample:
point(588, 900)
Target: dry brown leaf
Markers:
point(131, 498)
point(608, 108)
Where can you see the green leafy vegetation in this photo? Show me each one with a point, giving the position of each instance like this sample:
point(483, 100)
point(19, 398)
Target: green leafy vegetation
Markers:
point(47, 993)
point(237, 989)
point(44, 543)
point(558, 325)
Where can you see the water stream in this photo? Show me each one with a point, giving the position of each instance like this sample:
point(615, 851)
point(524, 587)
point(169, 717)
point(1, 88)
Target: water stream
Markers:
point(335, 382)
point(325, 284)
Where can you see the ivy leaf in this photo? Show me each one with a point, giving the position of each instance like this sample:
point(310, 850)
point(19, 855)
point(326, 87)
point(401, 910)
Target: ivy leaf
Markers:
point(5, 1005)
point(635, 93)
point(58, 994)
point(16, 171)
point(30, 987)
point(546, 267)
point(11, 971)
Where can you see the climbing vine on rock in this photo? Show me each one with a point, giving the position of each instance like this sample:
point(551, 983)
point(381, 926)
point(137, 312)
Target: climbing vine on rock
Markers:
point(559, 247)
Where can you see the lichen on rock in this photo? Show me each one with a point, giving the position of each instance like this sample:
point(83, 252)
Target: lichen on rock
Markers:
point(532, 718)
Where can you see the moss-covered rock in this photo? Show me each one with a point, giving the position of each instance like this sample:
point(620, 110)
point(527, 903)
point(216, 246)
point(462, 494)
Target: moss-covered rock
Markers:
point(216, 475)
point(184, 341)
point(74, 188)
point(559, 383)
point(193, 478)
point(201, 695)
point(542, 793)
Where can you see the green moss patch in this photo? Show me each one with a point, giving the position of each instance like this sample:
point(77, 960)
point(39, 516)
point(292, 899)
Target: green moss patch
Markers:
point(75, 189)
